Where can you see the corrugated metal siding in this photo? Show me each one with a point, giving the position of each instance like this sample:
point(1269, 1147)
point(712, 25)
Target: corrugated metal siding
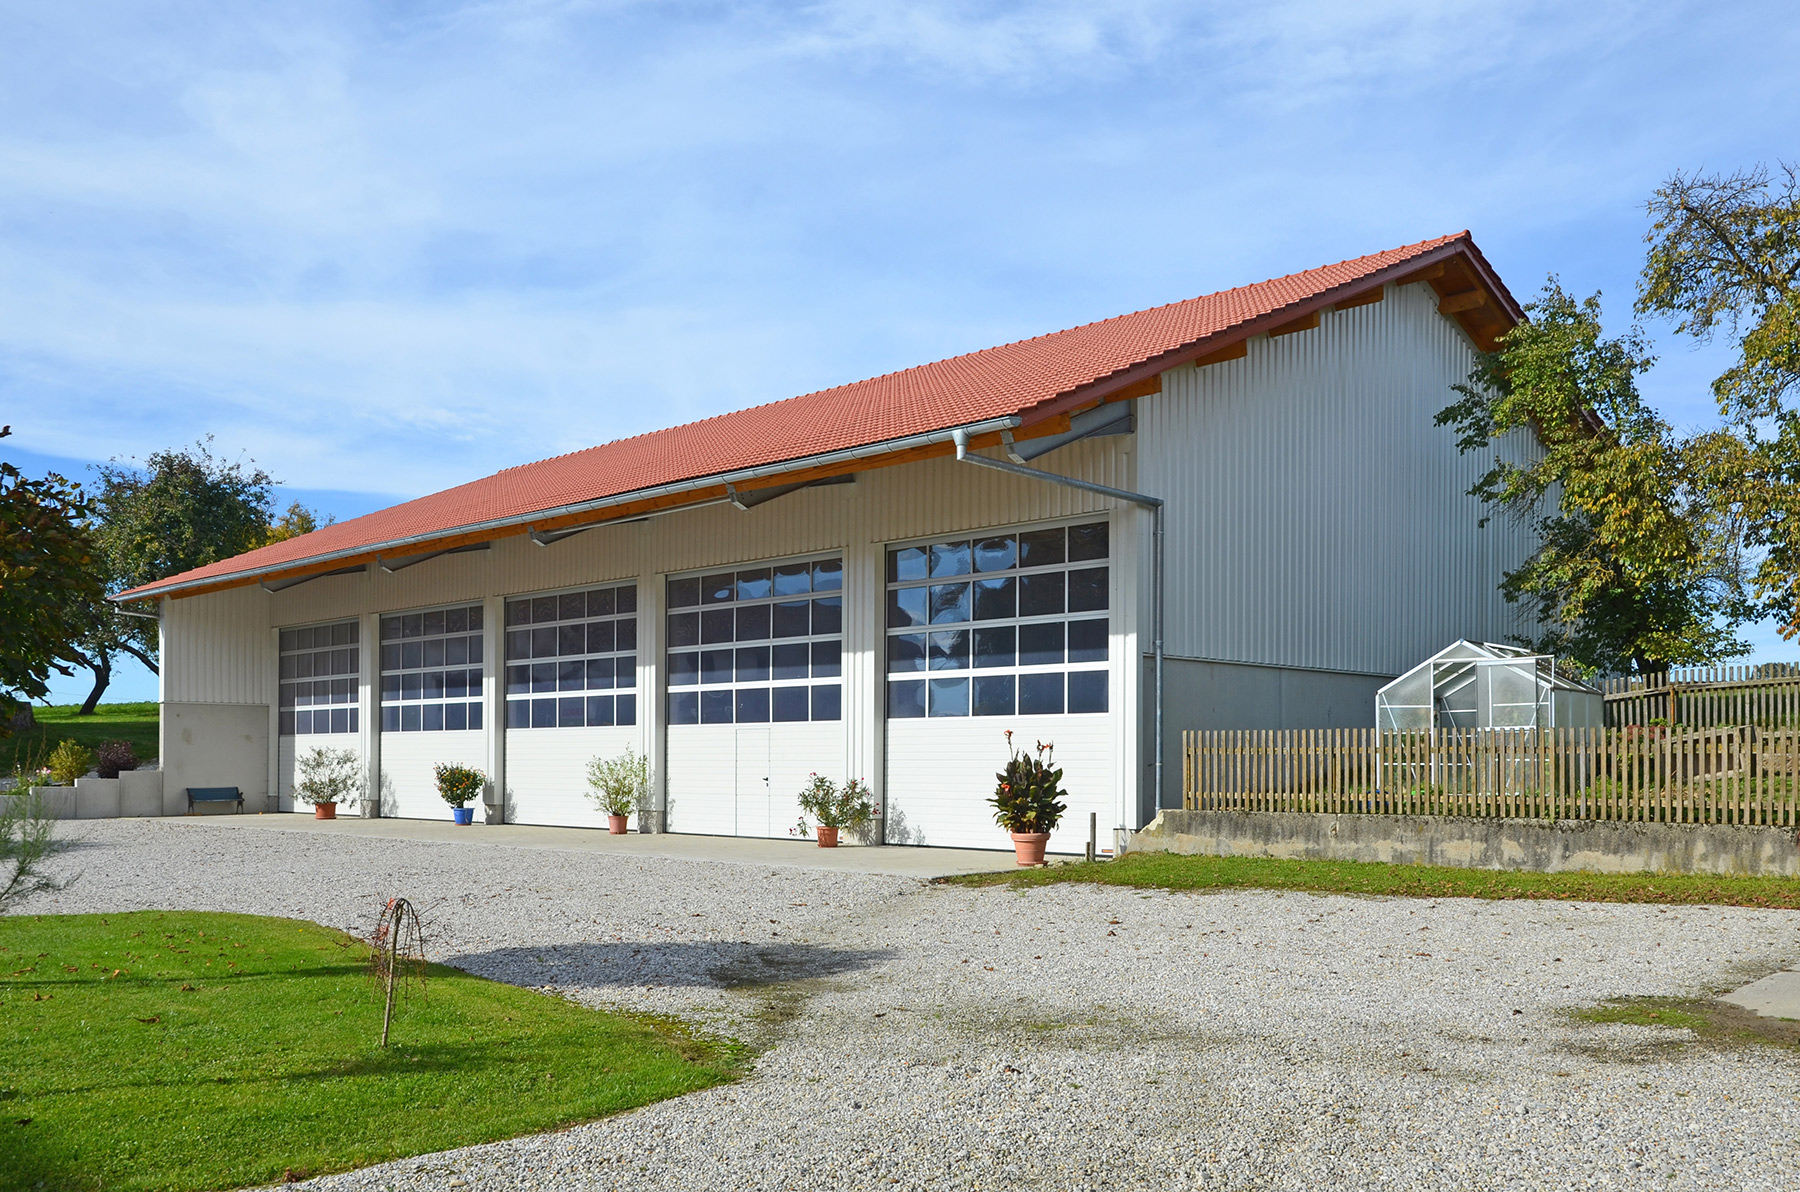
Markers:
point(1317, 517)
point(217, 649)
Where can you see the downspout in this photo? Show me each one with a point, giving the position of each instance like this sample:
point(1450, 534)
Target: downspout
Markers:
point(1155, 505)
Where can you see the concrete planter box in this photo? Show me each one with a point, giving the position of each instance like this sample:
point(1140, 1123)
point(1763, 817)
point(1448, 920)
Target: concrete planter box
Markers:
point(58, 801)
point(96, 798)
point(140, 792)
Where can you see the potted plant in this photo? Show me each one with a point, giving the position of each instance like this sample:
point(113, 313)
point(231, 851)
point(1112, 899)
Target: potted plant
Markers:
point(327, 777)
point(836, 808)
point(458, 784)
point(618, 786)
point(1028, 800)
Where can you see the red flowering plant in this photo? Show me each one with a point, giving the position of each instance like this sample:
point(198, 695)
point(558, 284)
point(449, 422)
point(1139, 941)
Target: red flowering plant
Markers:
point(1028, 794)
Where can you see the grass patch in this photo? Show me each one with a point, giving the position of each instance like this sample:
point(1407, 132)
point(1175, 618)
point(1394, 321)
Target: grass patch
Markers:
point(1714, 1024)
point(136, 723)
point(1171, 871)
point(175, 1050)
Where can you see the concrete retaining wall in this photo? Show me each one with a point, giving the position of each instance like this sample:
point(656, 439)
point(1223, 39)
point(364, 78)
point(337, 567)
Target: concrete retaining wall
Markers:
point(1550, 847)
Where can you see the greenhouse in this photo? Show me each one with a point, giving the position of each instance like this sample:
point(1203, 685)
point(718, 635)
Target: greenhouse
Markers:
point(1484, 685)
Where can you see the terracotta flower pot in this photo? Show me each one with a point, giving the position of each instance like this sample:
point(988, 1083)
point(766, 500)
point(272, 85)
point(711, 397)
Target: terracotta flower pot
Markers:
point(324, 810)
point(615, 824)
point(827, 836)
point(1030, 846)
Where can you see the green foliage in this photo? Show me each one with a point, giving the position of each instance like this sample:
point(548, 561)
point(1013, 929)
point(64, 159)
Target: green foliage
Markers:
point(458, 784)
point(48, 583)
point(618, 783)
point(133, 722)
point(1724, 256)
point(27, 840)
point(296, 521)
point(160, 1050)
point(114, 756)
point(1635, 568)
point(849, 806)
point(329, 776)
point(68, 761)
point(1028, 794)
point(1170, 871)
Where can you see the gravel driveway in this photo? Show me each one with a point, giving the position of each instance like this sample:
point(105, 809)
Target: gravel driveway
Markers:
point(925, 1037)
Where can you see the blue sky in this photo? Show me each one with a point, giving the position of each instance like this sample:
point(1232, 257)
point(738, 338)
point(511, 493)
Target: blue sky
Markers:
point(385, 248)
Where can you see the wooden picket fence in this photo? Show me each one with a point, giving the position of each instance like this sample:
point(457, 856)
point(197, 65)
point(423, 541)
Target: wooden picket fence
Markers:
point(1742, 775)
point(1766, 696)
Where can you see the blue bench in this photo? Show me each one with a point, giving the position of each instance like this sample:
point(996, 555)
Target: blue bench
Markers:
point(214, 794)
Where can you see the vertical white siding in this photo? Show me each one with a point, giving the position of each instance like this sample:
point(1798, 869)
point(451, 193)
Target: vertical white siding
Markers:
point(217, 649)
point(1317, 517)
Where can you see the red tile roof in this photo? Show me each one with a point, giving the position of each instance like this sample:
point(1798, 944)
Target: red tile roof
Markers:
point(1028, 379)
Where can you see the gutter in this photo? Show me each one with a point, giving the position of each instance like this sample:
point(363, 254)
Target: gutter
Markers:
point(845, 455)
point(1155, 505)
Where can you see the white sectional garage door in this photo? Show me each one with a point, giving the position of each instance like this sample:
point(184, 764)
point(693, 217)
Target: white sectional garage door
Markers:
point(1009, 630)
point(319, 668)
point(755, 694)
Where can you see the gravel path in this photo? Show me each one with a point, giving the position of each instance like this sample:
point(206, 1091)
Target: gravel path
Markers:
point(1067, 1037)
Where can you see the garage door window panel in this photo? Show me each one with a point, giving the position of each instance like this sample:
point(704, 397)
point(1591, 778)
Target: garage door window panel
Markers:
point(431, 670)
point(561, 648)
point(318, 665)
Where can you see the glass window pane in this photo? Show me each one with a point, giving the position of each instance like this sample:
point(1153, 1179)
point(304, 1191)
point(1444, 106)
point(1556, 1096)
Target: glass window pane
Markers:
point(390, 720)
point(789, 661)
point(791, 619)
point(474, 680)
point(684, 629)
point(290, 639)
point(411, 685)
point(753, 705)
point(996, 598)
point(287, 724)
point(753, 585)
point(906, 699)
point(571, 639)
point(456, 717)
point(518, 680)
point(827, 702)
point(717, 625)
point(600, 674)
point(518, 713)
point(828, 615)
point(474, 625)
point(906, 652)
point(434, 685)
point(518, 612)
point(340, 720)
point(625, 671)
point(543, 642)
point(475, 647)
point(753, 665)
point(827, 660)
point(390, 628)
point(949, 697)
point(753, 623)
point(433, 624)
point(624, 601)
point(718, 589)
point(571, 606)
point(600, 637)
point(571, 676)
point(684, 670)
point(625, 633)
point(949, 650)
point(994, 695)
point(303, 723)
point(543, 713)
point(949, 558)
point(625, 709)
point(793, 579)
point(518, 644)
point(456, 620)
point(411, 625)
point(907, 563)
point(1087, 590)
point(456, 684)
point(906, 607)
point(828, 575)
point(996, 554)
point(1087, 691)
point(949, 603)
point(994, 647)
point(287, 695)
point(1087, 641)
point(543, 610)
point(571, 712)
point(684, 707)
point(599, 711)
point(1041, 645)
point(390, 657)
point(715, 707)
point(434, 718)
point(1042, 594)
point(683, 593)
point(1087, 542)
point(287, 662)
point(475, 714)
point(456, 651)
point(715, 666)
point(390, 687)
point(1041, 695)
point(1040, 548)
point(434, 656)
point(788, 704)
point(600, 602)
point(543, 676)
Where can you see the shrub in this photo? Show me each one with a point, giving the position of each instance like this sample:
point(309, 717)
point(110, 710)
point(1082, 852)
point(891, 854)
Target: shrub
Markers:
point(68, 761)
point(114, 756)
point(849, 806)
point(458, 784)
point(329, 776)
point(619, 782)
point(1028, 795)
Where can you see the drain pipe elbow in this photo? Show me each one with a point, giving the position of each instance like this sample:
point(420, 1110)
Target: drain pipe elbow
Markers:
point(960, 437)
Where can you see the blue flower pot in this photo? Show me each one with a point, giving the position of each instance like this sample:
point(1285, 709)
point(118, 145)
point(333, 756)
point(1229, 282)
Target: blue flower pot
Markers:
point(463, 815)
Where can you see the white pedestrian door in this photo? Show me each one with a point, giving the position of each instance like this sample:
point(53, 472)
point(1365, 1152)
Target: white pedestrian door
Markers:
point(753, 781)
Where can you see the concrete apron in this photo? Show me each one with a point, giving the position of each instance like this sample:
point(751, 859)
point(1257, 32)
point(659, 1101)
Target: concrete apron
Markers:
point(1775, 996)
point(1562, 846)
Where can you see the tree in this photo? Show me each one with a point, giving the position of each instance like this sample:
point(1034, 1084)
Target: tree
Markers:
point(1724, 257)
point(296, 521)
point(1634, 568)
point(48, 583)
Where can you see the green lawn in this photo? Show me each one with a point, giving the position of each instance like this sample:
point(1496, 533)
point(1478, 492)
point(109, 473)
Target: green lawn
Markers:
point(177, 1050)
point(1169, 871)
point(110, 722)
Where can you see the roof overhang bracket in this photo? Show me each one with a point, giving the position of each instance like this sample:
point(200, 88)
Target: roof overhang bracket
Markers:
point(282, 585)
point(762, 496)
point(1110, 418)
point(402, 562)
